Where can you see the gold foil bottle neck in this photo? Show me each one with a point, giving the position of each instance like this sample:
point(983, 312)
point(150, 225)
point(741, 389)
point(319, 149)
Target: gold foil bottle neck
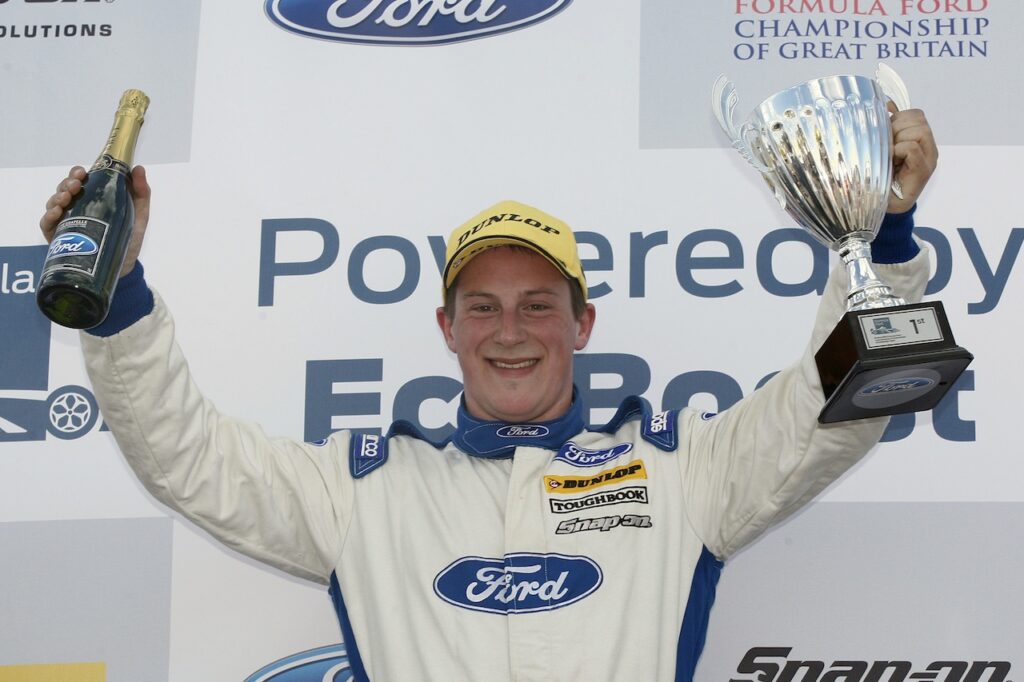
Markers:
point(125, 132)
point(133, 102)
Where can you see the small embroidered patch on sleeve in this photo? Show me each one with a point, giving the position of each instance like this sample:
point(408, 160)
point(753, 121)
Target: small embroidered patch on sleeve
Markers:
point(367, 452)
point(660, 429)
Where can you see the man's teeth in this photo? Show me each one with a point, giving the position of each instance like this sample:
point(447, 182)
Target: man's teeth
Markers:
point(514, 365)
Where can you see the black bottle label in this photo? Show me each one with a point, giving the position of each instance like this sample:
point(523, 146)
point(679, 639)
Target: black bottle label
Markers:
point(77, 246)
point(106, 161)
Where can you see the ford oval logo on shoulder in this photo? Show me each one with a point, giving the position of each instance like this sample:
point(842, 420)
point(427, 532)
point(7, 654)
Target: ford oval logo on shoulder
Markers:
point(523, 431)
point(72, 244)
point(326, 664)
point(408, 22)
point(519, 583)
point(896, 385)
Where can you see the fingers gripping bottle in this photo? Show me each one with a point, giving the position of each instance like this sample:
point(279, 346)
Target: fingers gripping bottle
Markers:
point(88, 249)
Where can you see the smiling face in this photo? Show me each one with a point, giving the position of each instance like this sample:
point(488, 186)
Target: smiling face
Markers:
point(514, 333)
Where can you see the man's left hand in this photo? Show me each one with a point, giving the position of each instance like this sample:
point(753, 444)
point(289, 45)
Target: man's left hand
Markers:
point(915, 156)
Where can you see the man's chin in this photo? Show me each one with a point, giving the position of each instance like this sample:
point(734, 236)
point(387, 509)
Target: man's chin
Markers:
point(510, 412)
point(517, 413)
point(515, 403)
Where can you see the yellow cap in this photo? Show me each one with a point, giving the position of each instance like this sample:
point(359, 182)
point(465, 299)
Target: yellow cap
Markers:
point(512, 223)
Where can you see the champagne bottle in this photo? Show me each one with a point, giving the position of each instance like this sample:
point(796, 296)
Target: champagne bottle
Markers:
point(88, 249)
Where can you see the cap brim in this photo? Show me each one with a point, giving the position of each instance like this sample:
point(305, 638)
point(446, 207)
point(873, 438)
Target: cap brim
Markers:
point(457, 262)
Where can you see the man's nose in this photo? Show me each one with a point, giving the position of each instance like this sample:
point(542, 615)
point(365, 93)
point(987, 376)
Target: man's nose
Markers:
point(511, 330)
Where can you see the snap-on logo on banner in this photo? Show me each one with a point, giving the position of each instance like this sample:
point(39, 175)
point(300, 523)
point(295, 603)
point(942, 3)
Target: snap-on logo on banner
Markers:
point(519, 583)
point(772, 664)
point(408, 22)
point(522, 431)
point(582, 457)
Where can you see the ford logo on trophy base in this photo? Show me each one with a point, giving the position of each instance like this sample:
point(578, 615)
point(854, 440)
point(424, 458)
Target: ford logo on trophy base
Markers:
point(825, 149)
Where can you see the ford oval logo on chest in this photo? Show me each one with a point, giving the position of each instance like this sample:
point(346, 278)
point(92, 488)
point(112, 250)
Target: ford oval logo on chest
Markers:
point(584, 457)
point(519, 583)
point(408, 22)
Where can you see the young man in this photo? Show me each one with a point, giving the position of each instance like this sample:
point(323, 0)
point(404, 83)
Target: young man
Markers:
point(526, 547)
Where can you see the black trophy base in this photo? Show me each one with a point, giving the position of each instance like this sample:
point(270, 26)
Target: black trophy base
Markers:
point(888, 361)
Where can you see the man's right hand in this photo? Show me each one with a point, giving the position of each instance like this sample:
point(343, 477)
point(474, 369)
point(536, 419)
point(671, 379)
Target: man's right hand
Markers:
point(72, 185)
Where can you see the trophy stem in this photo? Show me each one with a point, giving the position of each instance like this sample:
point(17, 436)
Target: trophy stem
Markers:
point(866, 291)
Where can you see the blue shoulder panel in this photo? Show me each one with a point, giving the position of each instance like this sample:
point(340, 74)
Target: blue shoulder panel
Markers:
point(660, 429)
point(367, 451)
point(630, 408)
point(403, 427)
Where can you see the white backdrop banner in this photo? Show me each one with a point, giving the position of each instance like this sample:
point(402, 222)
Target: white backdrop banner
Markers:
point(61, 59)
point(959, 50)
point(308, 158)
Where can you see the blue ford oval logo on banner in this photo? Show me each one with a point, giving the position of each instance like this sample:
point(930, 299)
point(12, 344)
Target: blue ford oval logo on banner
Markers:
point(326, 664)
point(408, 22)
point(519, 583)
point(72, 244)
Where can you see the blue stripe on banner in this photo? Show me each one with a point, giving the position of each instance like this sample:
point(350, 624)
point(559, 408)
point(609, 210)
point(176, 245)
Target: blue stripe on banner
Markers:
point(354, 660)
point(698, 609)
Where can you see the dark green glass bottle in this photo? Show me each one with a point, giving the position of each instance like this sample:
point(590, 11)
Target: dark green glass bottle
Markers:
point(89, 246)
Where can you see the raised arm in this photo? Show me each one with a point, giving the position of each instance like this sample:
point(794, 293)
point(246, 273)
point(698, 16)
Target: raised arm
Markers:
point(282, 502)
point(758, 462)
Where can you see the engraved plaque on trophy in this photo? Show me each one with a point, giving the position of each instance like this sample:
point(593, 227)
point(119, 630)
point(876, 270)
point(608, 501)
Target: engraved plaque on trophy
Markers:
point(825, 149)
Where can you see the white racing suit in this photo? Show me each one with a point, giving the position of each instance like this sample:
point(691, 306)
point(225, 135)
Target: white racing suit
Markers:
point(510, 552)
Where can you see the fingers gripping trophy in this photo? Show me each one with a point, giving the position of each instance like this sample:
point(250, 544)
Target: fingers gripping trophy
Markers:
point(825, 149)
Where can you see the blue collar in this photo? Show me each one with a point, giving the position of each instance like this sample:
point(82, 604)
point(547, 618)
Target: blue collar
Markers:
point(498, 440)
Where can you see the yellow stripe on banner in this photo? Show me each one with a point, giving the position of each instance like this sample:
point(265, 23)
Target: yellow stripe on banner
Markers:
point(55, 672)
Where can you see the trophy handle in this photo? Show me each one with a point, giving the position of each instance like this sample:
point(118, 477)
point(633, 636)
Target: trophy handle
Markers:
point(896, 90)
point(723, 102)
point(893, 86)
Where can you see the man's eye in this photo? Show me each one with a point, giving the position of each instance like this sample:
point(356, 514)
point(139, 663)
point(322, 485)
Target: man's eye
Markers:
point(538, 306)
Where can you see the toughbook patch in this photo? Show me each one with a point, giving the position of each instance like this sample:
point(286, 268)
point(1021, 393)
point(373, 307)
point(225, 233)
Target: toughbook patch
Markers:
point(366, 452)
point(660, 429)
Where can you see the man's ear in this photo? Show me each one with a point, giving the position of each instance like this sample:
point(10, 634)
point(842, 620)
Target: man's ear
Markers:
point(584, 326)
point(445, 324)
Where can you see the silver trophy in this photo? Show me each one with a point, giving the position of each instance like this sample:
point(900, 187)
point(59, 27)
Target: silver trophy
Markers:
point(825, 149)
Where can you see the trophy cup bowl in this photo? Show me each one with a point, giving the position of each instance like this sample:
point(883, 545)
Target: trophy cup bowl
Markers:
point(825, 149)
